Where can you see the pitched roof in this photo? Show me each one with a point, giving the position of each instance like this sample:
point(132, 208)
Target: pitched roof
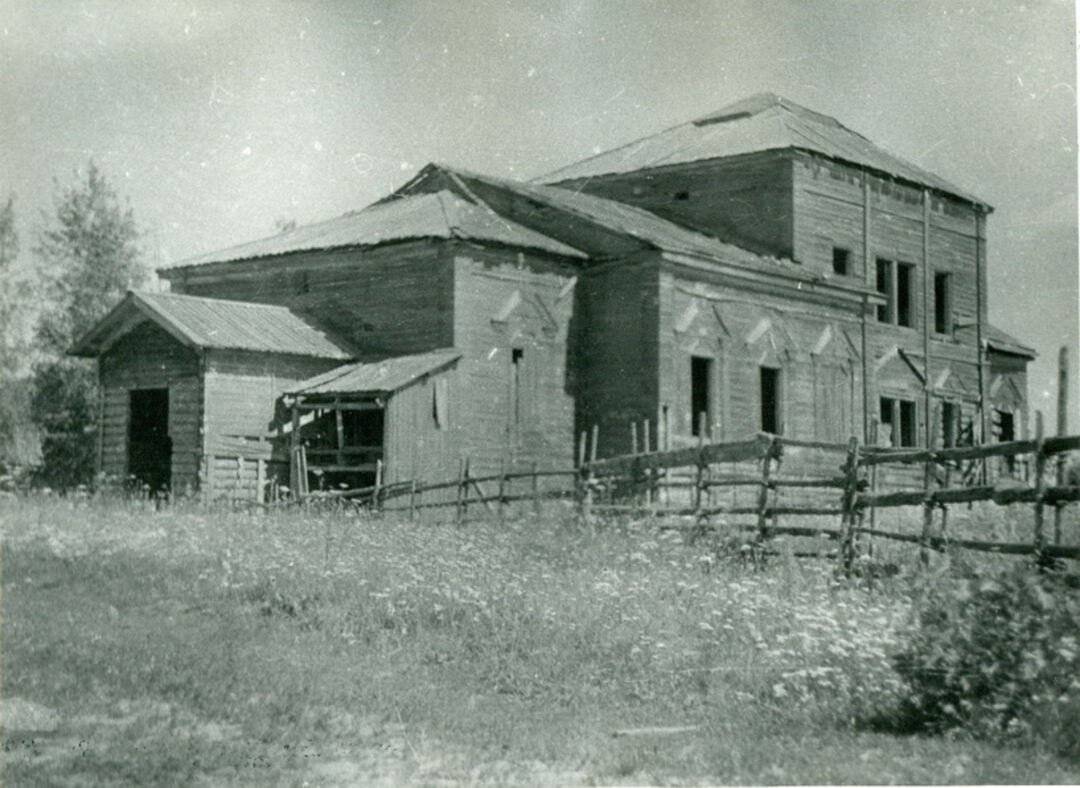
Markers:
point(627, 221)
point(213, 323)
point(441, 214)
point(384, 376)
point(996, 339)
point(760, 122)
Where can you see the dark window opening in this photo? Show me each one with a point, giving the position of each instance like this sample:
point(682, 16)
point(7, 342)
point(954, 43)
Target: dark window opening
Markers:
point(682, 195)
point(885, 287)
point(896, 281)
point(517, 360)
point(1006, 426)
point(950, 424)
point(363, 427)
point(770, 400)
point(905, 292)
point(898, 424)
point(841, 261)
point(943, 303)
point(700, 395)
point(149, 445)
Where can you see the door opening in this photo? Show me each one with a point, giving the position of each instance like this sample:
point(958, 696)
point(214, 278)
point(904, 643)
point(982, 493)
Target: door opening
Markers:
point(149, 445)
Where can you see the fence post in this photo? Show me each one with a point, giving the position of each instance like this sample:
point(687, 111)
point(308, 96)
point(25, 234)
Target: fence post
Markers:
point(463, 475)
point(589, 475)
point(649, 475)
point(1062, 429)
point(1040, 491)
point(763, 493)
point(928, 501)
point(699, 480)
point(847, 524)
point(502, 492)
point(376, 494)
point(579, 481)
point(536, 488)
point(412, 500)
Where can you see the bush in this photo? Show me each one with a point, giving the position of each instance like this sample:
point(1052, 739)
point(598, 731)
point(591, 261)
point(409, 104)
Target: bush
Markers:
point(996, 655)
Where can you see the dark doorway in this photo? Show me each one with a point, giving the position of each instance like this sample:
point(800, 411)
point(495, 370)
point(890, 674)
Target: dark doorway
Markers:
point(149, 445)
point(700, 395)
point(770, 401)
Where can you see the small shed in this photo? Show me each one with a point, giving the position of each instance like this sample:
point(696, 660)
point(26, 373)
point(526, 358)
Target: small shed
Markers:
point(391, 420)
point(189, 388)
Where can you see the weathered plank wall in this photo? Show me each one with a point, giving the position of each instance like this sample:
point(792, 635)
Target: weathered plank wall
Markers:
point(388, 300)
point(241, 393)
point(515, 406)
point(744, 200)
point(815, 347)
point(834, 207)
point(145, 358)
point(618, 350)
point(421, 433)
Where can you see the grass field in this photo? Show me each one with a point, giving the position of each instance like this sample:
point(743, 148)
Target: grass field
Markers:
point(194, 646)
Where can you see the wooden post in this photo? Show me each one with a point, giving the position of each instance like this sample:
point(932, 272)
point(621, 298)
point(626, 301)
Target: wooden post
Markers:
point(928, 484)
point(1062, 429)
point(376, 494)
point(633, 438)
point(294, 446)
point(649, 475)
point(412, 500)
point(846, 553)
point(536, 488)
point(635, 471)
point(502, 492)
point(462, 491)
point(699, 481)
point(763, 493)
point(339, 423)
point(1040, 489)
point(260, 480)
point(589, 475)
point(579, 482)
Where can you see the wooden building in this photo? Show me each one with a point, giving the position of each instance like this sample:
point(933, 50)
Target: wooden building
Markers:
point(760, 268)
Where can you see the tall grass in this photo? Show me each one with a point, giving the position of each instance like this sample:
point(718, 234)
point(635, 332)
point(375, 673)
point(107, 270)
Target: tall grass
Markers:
point(423, 651)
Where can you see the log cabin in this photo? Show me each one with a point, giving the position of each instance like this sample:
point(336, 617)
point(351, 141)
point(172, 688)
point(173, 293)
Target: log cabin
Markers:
point(761, 268)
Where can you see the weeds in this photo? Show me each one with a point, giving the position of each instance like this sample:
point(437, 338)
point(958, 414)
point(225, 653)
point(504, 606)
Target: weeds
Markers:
point(464, 646)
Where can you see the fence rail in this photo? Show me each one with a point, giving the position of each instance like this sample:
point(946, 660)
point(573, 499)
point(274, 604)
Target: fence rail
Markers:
point(642, 484)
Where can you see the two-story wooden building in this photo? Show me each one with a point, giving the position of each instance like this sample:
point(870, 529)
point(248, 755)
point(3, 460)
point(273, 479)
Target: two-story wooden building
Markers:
point(760, 268)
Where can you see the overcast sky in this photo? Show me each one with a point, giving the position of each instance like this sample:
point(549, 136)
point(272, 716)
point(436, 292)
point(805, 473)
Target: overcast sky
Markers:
point(218, 119)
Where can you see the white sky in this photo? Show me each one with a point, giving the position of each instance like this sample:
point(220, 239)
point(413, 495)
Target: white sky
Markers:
point(216, 119)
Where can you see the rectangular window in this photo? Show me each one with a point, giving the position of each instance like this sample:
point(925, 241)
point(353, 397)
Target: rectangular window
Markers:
point(950, 424)
point(898, 427)
point(517, 362)
point(700, 394)
point(1006, 426)
point(841, 261)
point(905, 294)
point(885, 287)
point(770, 401)
point(896, 281)
point(943, 321)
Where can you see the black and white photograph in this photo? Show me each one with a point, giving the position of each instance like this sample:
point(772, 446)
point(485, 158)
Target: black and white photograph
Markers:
point(539, 392)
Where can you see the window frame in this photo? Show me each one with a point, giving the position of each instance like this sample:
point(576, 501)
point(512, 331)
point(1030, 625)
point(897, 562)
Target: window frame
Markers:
point(943, 304)
point(903, 431)
point(899, 307)
point(841, 255)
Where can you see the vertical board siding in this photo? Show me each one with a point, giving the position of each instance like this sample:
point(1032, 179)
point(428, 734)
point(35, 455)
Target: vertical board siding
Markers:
point(618, 351)
point(503, 301)
point(418, 447)
point(148, 357)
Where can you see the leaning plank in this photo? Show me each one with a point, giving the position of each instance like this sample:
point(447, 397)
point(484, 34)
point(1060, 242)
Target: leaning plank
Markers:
point(999, 495)
point(672, 730)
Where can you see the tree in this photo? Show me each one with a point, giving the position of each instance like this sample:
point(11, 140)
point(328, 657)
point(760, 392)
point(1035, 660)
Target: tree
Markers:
point(88, 257)
point(19, 440)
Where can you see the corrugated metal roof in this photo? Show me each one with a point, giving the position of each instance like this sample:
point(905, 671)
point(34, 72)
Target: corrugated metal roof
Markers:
point(436, 215)
point(387, 375)
point(761, 122)
point(215, 323)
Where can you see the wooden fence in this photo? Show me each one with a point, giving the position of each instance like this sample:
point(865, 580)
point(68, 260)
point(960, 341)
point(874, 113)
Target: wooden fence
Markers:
point(681, 484)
